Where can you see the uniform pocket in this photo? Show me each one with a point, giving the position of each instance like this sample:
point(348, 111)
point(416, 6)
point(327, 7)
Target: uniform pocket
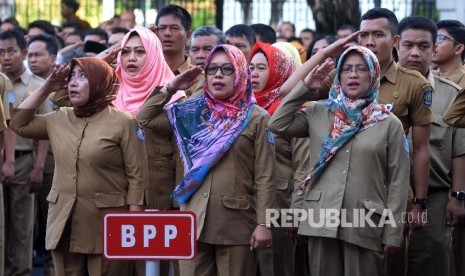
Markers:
point(376, 207)
point(109, 200)
point(282, 183)
point(438, 131)
point(313, 194)
point(53, 196)
point(236, 203)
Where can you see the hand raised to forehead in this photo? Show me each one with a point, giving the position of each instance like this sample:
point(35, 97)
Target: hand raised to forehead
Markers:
point(58, 79)
point(316, 78)
point(186, 79)
point(111, 53)
point(339, 46)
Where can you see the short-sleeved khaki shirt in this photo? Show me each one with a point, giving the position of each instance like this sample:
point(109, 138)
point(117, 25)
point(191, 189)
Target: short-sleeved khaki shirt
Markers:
point(5, 89)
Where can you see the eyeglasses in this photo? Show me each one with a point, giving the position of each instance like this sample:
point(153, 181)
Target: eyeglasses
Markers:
point(442, 38)
point(359, 69)
point(226, 69)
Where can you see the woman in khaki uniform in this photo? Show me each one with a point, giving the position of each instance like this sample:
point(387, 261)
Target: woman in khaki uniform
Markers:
point(360, 167)
point(270, 68)
point(100, 163)
point(228, 163)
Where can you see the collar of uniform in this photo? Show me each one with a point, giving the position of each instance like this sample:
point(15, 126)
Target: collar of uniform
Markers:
point(457, 75)
point(391, 72)
point(186, 65)
point(430, 79)
point(24, 78)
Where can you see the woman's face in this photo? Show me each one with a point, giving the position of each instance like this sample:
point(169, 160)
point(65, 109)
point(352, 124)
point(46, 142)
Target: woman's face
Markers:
point(220, 76)
point(355, 76)
point(320, 44)
point(260, 72)
point(133, 56)
point(78, 87)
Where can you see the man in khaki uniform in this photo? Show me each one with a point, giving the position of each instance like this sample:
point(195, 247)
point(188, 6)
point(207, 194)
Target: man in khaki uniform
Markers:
point(429, 248)
point(407, 90)
point(449, 55)
point(455, 115)
point(5, 86)
point(28, 161)
point(449, 52)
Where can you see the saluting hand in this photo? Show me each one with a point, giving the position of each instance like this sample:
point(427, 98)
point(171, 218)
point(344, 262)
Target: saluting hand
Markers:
point(111, 53)
point(58, 79)
point(184, 80)
point(317, 77)
point(339, 46)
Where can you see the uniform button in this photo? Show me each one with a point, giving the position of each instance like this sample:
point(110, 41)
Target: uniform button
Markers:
point(74, 196)
point(205, 195)
point(74, 176)
point(344, 172)
point(347, 151)
point(340, 193)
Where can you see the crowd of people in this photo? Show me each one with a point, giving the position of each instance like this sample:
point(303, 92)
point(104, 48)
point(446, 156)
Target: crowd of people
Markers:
point(323, 154)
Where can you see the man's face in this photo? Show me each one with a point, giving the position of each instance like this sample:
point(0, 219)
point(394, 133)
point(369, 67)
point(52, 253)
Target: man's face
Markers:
point(201, 47)
point(242, 43)
point(306, 38)
point(416, 50)
point(446, 51)
point(127, 20)
point(285, 30)
point(376, 36)
point(12, 57)
point(172, 34)
point(39, 59)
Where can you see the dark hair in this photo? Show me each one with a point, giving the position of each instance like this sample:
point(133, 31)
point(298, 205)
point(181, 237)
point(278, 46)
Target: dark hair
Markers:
point(12, 21)
point(266, 33)
point(329, 38)
point(210, 30)
point(16, 35)
point(289, 23)
point(78, 33)
point(376, 13)
point(68, 56)
point(419, 23)
point(50, 42)
point(307, 30)
point(347, 27)
point(178, 12)
point(73, 4)
point(44, 25)
point(71, 24)
point(99, 32)
point(456, 29)
point(117, 30)
point(242, 30)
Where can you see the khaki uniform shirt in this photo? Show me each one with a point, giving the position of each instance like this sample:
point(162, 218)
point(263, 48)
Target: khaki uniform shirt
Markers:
point(24, 86)
point(6, 88)
point(455, 115)
point(100, 166)
point(236, 192)
point(370, 172)
point(457, 77)
point(408, 91)
point(446, 142)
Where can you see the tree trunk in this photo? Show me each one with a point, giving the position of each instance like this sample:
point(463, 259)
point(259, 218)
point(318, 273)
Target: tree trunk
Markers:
point(246, 6)
point(276, 12)
point(330, 14)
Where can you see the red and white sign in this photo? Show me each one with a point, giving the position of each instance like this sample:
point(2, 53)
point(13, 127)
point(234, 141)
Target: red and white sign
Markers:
point(162, 235)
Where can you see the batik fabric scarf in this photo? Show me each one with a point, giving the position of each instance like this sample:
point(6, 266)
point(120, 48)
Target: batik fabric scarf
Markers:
point(206, 127)
point(350, 116)
point(281, 67)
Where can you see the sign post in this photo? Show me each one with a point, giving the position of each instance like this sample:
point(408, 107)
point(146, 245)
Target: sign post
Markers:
point(150, 235)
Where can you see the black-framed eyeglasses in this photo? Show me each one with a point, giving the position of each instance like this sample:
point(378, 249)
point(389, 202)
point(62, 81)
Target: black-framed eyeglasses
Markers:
point(358, 69)
point(226, 69)
point(442, 38)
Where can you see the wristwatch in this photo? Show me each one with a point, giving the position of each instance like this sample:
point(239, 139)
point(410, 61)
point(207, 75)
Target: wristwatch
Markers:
point(423, 202)
point(460, 195)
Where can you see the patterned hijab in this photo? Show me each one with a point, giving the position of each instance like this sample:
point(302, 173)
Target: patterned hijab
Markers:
point(206, 127)
point(281, 68)
point(135, 90)
point(291, 51)
point(350, 116)
point(103, 85)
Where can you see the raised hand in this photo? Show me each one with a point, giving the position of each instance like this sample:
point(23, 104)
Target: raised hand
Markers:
point(316, 78)
point(58, 79)
point(337, 48)
point(186, 79)
point(111, 53)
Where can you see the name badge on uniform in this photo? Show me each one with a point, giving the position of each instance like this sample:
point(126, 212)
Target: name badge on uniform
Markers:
point(10, 97)
point(427, 95)
point(270, 137)
point(140, 133)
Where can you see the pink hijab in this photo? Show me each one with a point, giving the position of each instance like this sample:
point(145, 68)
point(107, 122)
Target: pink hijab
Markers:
point(135, 90)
